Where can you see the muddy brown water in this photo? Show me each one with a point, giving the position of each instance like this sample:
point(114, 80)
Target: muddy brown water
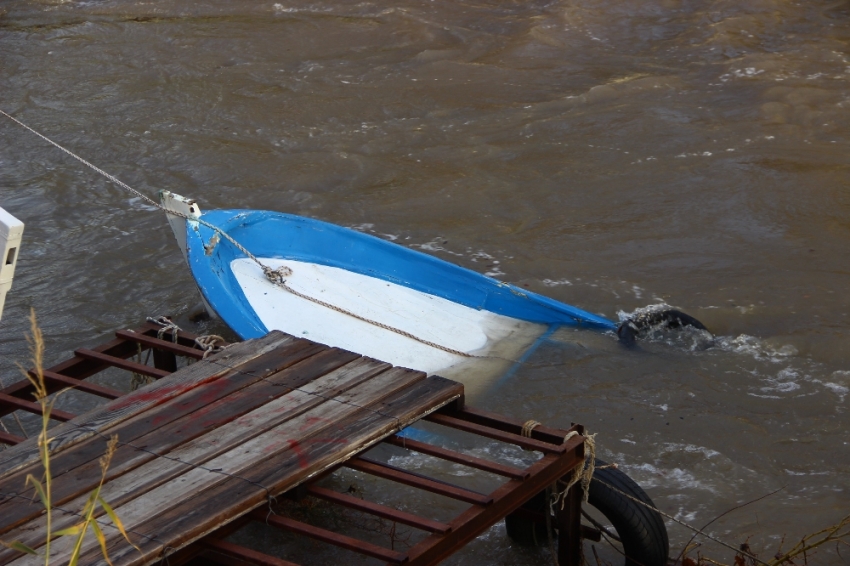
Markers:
point(609, 154)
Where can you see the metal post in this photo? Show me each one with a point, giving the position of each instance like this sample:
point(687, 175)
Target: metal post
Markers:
point(164, 360)
point(568, 520)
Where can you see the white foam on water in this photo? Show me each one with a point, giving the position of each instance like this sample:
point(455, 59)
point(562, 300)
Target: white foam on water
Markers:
point(435, 245)
point(672, 479)
point(755, 348)
point(786, 381)
point(690, 448)
point(838, 388)
point(796, 378)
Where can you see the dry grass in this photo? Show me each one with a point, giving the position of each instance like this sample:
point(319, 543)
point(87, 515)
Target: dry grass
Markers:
point(803, 553)
point(44, 486)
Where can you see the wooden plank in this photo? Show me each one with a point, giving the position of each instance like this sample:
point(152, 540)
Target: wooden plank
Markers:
point(81, 470)
point(218, 441)
point(279, 459)
point(182, 419)
point(227, 500)
point(134, 403)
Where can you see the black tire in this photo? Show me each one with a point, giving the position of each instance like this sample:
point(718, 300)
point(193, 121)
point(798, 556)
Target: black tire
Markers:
point(641, 530)
point(527, 525)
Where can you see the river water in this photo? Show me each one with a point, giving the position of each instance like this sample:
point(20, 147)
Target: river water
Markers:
point(609, 154)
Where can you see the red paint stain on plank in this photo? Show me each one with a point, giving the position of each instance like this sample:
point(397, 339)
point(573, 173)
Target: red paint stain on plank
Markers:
point(297, 447)
point(161, 394)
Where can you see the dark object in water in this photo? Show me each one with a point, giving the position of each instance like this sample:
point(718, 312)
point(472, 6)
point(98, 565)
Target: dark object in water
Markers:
point(640, 529)
point(664, 318)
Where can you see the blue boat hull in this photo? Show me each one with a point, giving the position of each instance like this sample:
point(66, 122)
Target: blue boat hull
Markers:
point(285, 236)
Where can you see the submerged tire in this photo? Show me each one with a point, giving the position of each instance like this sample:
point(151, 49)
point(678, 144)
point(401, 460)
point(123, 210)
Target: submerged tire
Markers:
point(641, 530)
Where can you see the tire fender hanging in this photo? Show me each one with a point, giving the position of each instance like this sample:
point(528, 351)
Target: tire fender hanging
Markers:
point(640, 529)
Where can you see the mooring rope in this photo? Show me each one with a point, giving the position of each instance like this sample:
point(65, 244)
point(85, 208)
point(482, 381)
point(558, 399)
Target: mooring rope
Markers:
point(581, 474)
point(528, 427)
point(165, 325)
point(275, 276)
point(139, 380)
point(209, 343)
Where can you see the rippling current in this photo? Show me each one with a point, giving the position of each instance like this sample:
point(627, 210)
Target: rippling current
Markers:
point(609, 154)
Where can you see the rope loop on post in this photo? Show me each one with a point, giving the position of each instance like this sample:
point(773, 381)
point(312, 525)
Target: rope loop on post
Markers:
point(529, 426)
point(580, 474)
point(166, 325)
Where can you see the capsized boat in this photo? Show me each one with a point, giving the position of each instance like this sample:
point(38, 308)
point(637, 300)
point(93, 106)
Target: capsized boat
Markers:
point(354, 291)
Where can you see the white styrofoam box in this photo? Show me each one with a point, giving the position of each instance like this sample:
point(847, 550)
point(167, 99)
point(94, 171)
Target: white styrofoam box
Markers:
point(11, 231)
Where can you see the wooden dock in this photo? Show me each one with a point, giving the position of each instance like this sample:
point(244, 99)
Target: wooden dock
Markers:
point(203, 448)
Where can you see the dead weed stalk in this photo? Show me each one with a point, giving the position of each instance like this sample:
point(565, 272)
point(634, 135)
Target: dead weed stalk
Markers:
point(44, 486)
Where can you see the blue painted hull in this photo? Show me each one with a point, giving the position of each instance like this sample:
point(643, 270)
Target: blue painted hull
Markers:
point(285, 236)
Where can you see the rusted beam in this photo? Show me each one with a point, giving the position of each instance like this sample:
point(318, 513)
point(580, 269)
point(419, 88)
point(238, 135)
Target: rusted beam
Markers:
point(7, 438)
point(80, 385)
point(122, 363)
point(183, 338)
point(243, 553)
point(568, 520)
point(508, 424)
point(418, 481)
point(72, 372)
point(324, 535)
point(34, 408)
point(457, 457)
point(81, 368)
point(76, 367)
point(507, 498)
point(495, 434)
point(379, 510)
point(164, 345)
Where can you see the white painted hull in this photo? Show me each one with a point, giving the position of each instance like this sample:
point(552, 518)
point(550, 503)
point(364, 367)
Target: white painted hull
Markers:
point(430, 318)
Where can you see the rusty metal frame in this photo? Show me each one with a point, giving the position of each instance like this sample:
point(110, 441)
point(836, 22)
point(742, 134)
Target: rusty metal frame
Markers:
point(72, 373)
point(441, 539)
